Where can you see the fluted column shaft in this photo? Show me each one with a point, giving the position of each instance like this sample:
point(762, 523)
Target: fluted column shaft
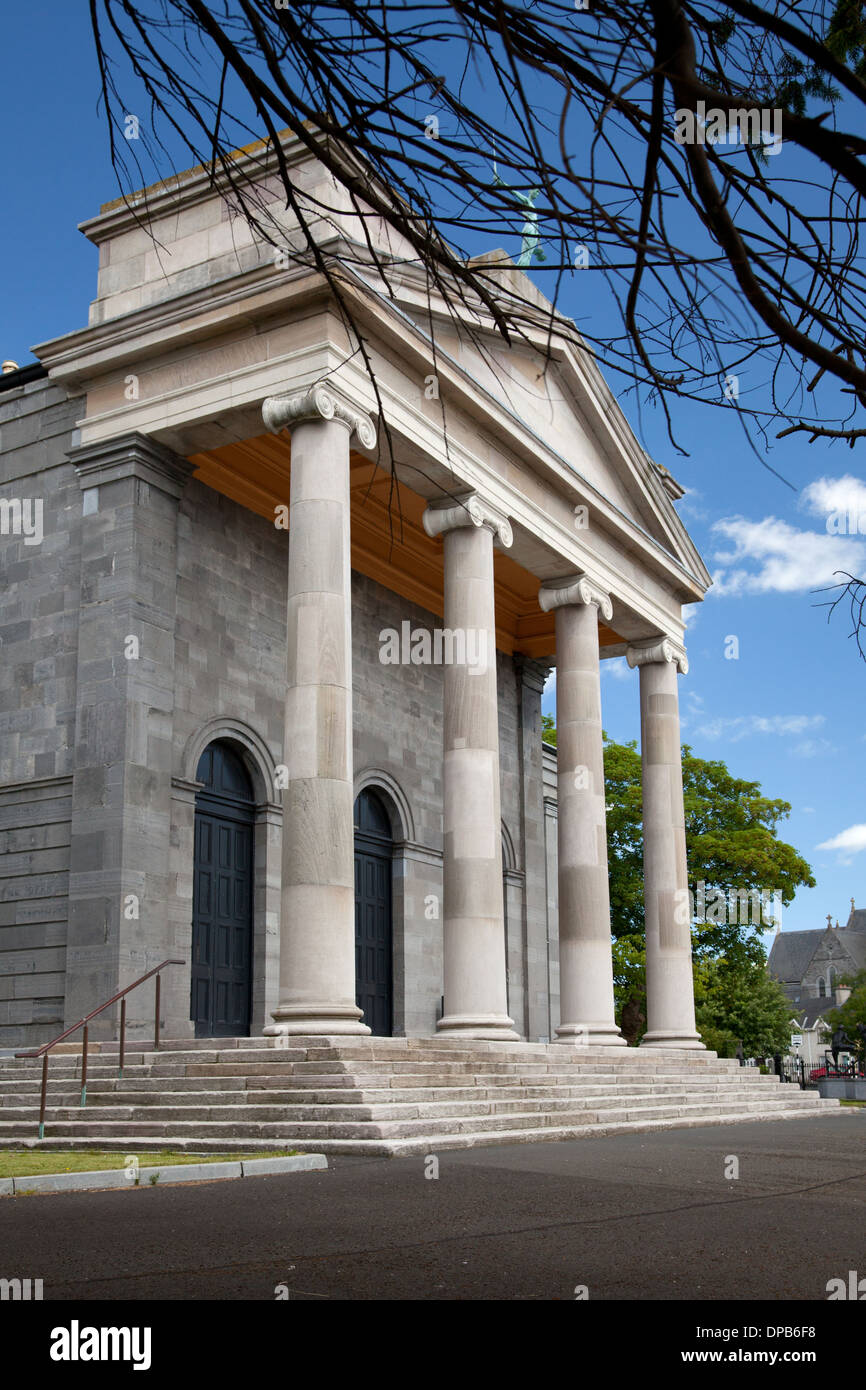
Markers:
point(317, 919)
point(669, 982)
point(585, 955)
point(473, 919)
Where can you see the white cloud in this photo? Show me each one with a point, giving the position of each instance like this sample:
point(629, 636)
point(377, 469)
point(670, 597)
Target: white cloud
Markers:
point(813, 748)
point(840, 501)
point(741, 726)
point(807, 810)
point(770, 556)
point(853, 840)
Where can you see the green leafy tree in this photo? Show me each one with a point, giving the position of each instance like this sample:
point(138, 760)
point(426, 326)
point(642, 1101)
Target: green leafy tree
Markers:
point(740, 1001)
point(733, 848)
point(853, 1011)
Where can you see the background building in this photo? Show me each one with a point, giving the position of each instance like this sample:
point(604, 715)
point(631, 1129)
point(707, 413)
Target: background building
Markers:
point(810, 965)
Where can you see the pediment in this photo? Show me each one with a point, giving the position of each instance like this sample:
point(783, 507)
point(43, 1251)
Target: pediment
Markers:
point(565, 402)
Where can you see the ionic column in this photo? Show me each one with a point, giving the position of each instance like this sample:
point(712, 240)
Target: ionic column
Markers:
point(473, 920)
point(669, 986)
point(585, 956)
point(317, 911)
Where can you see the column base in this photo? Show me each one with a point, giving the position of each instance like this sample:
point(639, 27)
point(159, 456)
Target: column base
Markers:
point(483, 1027)
point(590, 1035)
point(312, 1019)
point(663, 1039)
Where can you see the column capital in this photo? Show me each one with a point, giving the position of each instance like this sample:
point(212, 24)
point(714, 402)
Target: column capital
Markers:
point(576, 589)
point(658, 649)
point(453, 513)
point(292, 408)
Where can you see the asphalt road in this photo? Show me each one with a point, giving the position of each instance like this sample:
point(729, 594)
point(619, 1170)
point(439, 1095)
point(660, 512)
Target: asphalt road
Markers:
point(648, 1216)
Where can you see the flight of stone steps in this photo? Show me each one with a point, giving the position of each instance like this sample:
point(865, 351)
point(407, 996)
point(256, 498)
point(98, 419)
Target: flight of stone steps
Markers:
point(377, 1095)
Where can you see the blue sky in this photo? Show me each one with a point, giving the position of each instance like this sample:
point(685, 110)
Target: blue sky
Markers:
point(788, 712)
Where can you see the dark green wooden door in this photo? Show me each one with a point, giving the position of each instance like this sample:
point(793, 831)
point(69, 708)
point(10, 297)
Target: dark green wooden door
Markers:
point(222, 914)
point(373, 924)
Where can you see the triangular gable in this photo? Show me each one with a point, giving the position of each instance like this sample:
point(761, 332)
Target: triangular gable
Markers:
point(553, 387)
point(566, 403)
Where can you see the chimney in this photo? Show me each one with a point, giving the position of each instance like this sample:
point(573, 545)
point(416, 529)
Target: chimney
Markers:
point(9, 366)
point(843, 994)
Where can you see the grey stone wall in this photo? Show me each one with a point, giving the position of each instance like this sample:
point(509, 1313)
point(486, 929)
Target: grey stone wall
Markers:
point(39, 589)
point(98, 752)
point(830, 951)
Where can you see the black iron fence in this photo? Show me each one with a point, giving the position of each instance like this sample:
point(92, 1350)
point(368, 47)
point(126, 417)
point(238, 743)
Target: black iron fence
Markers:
point(797, 1071)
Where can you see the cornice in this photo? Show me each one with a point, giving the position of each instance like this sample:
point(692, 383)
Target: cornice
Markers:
point(532, 671)
point(131, 455)
point(86, 353)
point(191, 186)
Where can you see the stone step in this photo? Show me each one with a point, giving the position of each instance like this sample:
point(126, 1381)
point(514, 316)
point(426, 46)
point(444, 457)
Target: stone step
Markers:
point(286, 1131)
point(121, 1092)
point(264, 1113)
point(217, 1077)
point(281, 1077)
point(422, 1145)
point(376, 1095)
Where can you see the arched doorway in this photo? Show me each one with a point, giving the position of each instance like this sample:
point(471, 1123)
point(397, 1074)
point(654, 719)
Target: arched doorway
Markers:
point(222, 910)
point(374, 971)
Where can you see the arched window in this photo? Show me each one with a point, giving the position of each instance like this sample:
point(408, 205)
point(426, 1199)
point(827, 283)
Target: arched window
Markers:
point(831, 979)
point(822, 988)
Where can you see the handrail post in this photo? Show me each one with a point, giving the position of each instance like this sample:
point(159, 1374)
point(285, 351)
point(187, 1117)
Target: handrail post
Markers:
point(45, 1051)
point(122, 1034)
point(84, 1067)
point(44, 1095)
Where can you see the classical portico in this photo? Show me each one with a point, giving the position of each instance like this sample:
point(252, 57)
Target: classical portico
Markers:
point(291, 514)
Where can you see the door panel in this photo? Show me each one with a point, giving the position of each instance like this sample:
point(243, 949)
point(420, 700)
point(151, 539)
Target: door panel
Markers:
point(222, 901)
point(373, 937)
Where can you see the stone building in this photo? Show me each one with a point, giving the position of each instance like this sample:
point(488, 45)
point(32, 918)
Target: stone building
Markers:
point(810, 966)
point(237, 726)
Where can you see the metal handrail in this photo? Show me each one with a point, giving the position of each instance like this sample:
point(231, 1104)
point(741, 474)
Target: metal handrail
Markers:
point(45, 1049)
